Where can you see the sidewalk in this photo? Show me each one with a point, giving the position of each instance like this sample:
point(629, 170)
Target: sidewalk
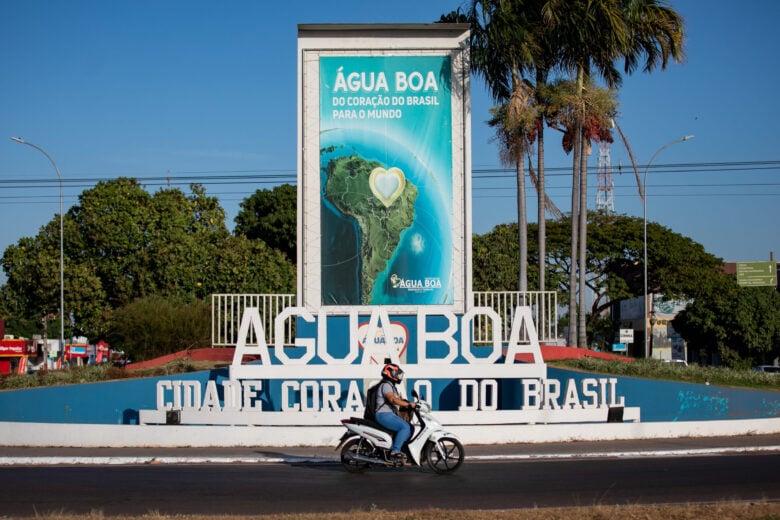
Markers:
point(11, 456)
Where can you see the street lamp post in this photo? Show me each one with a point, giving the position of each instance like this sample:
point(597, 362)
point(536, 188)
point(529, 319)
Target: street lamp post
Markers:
point(61, 352)
point(644, 208)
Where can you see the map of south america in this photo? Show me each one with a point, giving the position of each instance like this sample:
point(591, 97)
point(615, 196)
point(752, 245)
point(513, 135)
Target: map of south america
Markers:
point(381, 201)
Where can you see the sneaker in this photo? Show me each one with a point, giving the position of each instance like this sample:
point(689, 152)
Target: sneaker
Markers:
point(397, 456)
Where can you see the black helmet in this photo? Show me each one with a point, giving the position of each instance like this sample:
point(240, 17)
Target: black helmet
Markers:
point(393, 372)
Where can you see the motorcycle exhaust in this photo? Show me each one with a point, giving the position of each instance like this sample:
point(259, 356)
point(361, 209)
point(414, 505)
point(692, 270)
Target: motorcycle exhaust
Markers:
point(370, 460)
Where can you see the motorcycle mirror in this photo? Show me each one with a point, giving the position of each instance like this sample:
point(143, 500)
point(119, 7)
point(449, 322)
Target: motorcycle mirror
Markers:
point(414, 394)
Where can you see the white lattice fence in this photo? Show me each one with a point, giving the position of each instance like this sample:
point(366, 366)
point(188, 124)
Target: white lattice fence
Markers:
point(227, 310)
point(543, 304)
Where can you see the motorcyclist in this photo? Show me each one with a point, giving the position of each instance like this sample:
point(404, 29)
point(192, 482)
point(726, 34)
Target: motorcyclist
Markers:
point(387, 405)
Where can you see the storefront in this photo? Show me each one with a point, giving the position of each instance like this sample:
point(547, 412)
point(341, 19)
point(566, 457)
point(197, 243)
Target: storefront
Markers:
point(14, 353)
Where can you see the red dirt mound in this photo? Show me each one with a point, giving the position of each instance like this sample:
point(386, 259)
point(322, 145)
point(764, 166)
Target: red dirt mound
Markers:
point(551, 353)
point(225, 355)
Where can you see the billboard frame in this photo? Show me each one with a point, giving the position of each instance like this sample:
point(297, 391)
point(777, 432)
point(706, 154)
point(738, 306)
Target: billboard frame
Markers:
point(390, 40)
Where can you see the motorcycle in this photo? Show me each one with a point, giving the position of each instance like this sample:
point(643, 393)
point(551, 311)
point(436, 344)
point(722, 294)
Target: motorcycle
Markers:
point(366, 443)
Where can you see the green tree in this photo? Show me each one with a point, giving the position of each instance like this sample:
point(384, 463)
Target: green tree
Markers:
point(32, 269)
point(114, 228)
point(30, 296)
point(140, 244)
point(122, 244)
point(738, 326)
point(494, 257)
point(242, 266)
point(270, 215)
point(679, 268)
point(186, 232)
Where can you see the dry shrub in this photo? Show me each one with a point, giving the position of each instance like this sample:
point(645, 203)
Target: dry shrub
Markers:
point(719, 511)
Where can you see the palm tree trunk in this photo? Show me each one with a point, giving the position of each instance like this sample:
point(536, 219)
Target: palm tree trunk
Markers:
point(522, 224)
point(542, 231)
point(575, 201)
point(582, 340)
point(541, 81)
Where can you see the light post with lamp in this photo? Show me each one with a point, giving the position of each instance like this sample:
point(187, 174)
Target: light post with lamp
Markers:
point(61, 351)
point(644, 208)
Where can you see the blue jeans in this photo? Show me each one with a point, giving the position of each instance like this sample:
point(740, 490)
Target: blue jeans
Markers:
point(402, 429)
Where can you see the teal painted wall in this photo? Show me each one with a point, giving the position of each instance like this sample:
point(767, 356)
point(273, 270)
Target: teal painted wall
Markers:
point(119, 402)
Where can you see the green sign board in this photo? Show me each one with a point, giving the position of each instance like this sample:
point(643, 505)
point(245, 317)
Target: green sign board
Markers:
point(757, 274)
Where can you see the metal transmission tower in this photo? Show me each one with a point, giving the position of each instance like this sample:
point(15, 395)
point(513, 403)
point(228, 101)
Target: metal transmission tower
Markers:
point(605, 198)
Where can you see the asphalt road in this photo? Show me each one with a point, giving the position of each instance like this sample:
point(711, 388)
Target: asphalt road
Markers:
point(310, 480)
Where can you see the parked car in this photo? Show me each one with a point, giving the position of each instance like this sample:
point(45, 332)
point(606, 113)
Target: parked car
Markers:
point(770, 369)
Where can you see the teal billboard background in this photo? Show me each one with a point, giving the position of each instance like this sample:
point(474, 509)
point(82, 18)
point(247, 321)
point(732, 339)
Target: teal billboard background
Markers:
point(386, 180)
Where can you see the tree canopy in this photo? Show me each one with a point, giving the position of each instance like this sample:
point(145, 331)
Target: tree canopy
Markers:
point(270, 215)
point(678, 267)
point(139, 268)
point(733, 325)
point(723, 323)
point(122, 243)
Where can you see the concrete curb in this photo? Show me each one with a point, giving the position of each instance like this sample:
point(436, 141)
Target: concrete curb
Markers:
point(117, 436)
point(217, 459)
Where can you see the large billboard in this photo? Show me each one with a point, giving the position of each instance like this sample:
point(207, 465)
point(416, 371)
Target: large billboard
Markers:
point(386, 173)
point(383, 181)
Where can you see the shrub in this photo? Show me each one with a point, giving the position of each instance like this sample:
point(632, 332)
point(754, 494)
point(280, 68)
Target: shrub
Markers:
point(154, 326)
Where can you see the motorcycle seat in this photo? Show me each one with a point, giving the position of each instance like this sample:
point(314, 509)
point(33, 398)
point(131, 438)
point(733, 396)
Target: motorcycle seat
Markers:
point(372, 424)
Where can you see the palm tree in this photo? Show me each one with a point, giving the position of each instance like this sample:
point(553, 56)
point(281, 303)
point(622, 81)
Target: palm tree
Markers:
point(580, 118)
point(503, 50)
point(594, 35)
point(545, 61)
point(542, 73)
point(590, 33)
point(541, 51)
point(515, 124)
point(512, 38)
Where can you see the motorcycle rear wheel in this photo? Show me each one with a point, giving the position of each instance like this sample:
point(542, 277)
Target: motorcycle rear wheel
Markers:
point(452, 458)
point(355, 447)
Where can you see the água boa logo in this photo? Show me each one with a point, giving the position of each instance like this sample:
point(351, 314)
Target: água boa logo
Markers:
point(415, 284)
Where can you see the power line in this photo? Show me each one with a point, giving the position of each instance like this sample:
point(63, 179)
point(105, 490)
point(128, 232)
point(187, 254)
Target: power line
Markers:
point(717, 167)
point(479, 177)
point(288, 175)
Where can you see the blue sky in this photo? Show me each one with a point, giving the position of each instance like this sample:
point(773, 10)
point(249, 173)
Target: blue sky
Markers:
point(198, 90)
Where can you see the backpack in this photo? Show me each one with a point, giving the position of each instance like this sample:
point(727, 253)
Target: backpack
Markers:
point(370, 410)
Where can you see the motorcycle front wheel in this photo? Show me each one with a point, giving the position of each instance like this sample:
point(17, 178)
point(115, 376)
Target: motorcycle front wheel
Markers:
point(352, 448)
point(444, 456)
